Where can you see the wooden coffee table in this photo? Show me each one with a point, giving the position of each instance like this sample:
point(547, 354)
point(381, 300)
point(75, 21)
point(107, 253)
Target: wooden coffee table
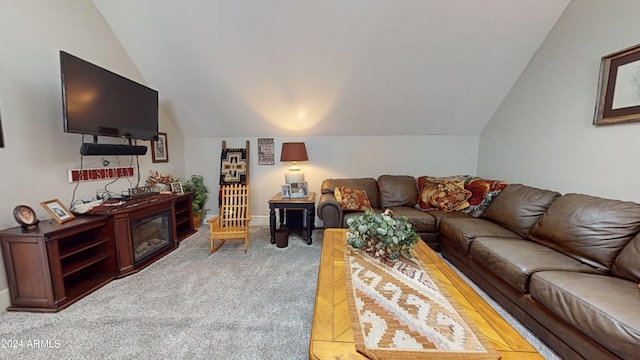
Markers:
point(331, 332)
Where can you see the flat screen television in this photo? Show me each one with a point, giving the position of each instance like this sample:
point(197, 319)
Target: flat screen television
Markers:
point(99, 102)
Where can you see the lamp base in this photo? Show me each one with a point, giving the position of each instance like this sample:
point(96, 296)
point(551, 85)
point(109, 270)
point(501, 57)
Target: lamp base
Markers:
point(293, 177)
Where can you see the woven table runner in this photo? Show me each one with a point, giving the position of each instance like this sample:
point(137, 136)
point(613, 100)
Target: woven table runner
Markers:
point(398, 311)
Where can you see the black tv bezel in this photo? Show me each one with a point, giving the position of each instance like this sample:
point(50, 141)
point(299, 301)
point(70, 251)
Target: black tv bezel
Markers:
point(106, 130)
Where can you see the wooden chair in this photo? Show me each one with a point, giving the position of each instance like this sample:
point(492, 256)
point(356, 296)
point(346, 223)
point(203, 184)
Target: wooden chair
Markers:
point(234, 218)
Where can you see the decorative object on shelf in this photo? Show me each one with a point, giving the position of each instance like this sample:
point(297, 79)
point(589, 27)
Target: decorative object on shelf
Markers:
point(176, 187)
point(160, 182)
point(382, 235)
point(25, 216)
point(160, 149)
point(265, 151)
point(285, 191)
point(294, 151)
point(618, 97)
point(299, 190)
point(195, 185)
point(57, 211)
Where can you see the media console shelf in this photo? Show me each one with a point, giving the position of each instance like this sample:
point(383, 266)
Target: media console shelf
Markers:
point(52, 266)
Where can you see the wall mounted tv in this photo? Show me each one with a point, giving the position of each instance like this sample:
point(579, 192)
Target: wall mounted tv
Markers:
point(99, 102)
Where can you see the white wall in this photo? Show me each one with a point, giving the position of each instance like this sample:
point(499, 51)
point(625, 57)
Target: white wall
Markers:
point(37, 153)
point(334, 157)
point(542, 135)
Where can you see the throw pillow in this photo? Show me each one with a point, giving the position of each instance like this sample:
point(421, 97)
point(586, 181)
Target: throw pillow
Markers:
point(450, 197)
point(428, 186)
point(482, 192)
point(351, 199)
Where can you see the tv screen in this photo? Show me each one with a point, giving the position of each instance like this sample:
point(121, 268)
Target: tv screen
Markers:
point(99, 102)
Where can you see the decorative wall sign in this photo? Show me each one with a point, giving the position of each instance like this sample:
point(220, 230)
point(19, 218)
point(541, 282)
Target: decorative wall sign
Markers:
point(265, 151)
point(76, 175)
point(619, 88)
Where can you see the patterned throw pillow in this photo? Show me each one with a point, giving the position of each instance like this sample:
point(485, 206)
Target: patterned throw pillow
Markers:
point(428, 186)
point(352, 199)
point(450, 197)
point(482, 192)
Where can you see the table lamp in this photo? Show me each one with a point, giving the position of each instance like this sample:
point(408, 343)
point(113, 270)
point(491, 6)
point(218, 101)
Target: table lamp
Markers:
point(294, 151)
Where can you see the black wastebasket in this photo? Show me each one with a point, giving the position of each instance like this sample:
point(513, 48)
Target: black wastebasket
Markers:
point(282, 238)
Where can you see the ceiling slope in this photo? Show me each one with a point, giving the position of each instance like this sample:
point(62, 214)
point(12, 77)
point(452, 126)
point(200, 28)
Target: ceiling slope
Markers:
point(332, 67)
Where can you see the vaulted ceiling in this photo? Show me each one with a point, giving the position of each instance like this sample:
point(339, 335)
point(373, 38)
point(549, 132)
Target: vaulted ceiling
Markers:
point(331, 67)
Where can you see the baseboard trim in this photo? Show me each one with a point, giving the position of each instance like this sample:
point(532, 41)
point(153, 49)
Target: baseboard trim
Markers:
point(5, 299)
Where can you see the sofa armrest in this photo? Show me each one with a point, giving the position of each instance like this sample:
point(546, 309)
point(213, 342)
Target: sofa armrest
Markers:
point(330, 211)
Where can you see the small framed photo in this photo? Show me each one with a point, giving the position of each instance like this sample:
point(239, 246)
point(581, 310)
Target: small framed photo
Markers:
point(176, 187)
point(58, 211)
point(25, 215)
point(160, 149)
point(299, 190)
point(285, 191)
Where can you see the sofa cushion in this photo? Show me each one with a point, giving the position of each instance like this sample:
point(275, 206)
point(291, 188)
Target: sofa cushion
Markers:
point(602, 307)
point(370, 185)
point(461, 231)
point(420, 220)
point(351, 199)
point(588, 228)
point(397, 190)
point(515, 260)
point(518, 207)
point(450, 197)
point(626, 263)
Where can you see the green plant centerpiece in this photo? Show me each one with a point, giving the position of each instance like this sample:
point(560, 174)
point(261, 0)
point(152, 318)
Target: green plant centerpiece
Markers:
point(195, 185)
point(382, 235)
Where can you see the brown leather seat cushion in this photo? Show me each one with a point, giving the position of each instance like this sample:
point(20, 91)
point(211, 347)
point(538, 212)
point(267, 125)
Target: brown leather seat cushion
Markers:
point(602, 307)
point(517, 259)
point(461, 231)
point(422, 221)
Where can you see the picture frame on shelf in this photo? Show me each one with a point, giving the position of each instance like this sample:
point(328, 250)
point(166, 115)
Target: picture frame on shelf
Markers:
point(299, 190)
point(176, 187)
point(285, 191)
point(57, 210)
point(618, 99)
point(24, 215)
point(160, 149)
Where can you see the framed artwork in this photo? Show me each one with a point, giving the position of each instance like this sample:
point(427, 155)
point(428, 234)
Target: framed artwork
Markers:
point(618, 98)
point(285, 191)
point(25, 215)
point(176, 187)
point(58, 211)
point(160, 149)
point(265, 151)
point(299, 190)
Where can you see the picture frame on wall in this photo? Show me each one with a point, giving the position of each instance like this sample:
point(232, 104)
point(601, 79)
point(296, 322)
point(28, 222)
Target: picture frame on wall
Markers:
point(618, 99)
point(57, 211)
point(299, 190)
point(160, 149)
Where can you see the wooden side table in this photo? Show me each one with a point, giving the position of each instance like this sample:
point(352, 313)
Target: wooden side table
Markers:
point(277, 202)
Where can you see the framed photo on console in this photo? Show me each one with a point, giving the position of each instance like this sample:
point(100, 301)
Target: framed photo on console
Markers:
point(176, 187)
point(285, 191)
point(299, 190)
point(58, 211)
point(160, 149)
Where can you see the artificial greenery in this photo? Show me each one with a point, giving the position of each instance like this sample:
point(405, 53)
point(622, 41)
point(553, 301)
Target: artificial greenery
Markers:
point(195, 185)
point(382, 234)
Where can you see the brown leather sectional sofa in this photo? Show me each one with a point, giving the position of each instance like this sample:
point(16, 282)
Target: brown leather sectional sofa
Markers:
point(567, 266)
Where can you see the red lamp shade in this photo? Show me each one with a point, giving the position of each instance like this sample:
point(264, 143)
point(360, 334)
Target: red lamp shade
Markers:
point(293, 151)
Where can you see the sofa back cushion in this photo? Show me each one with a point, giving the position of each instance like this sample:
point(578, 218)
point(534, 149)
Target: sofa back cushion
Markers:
point(588, 228)
point(370, 185)
point(518, 207)
point(626, 264)
point(397, 190)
